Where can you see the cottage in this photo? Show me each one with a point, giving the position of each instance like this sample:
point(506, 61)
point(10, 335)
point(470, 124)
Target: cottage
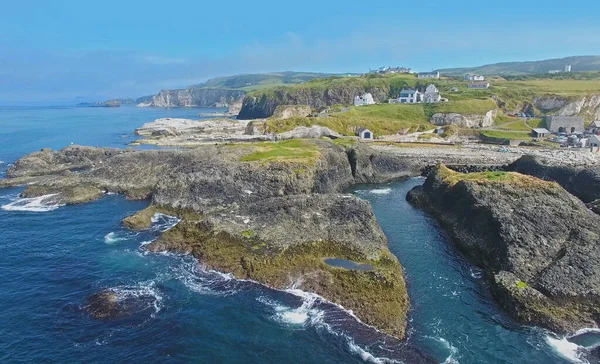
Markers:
point(479, 85)
point(429, 75)
point(594, 127)
point(540, 132)
point(432, 95)
point(473, 77)
point(409, 96)
point(565, 124)
point(363, 100)
point(364, 134)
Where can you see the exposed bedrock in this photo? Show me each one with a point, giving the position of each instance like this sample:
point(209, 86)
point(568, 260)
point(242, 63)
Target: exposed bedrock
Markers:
point(537, 242)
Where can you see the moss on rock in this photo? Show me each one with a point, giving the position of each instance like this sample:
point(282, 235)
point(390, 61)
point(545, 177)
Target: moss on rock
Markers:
point(377, 297)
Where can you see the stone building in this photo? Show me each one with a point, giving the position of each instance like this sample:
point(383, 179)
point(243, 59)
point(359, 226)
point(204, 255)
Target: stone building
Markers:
point(565, 124)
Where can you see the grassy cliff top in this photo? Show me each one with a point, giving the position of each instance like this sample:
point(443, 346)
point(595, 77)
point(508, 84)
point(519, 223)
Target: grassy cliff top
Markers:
point(385, 119)
point(294, 150)
point(452, 178)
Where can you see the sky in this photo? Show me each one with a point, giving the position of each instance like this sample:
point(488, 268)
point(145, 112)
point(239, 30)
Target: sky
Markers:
point(70, 50)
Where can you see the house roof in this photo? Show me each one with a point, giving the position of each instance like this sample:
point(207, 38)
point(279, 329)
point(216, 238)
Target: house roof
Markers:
point(541, 131)
point(408, 91)
point(360, 130)
point(595, 124)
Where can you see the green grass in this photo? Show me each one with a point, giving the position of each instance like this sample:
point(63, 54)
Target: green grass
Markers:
point(536, 123)
point(291, 150)
point(470, 106)
point(502, 134)
point(521, 285)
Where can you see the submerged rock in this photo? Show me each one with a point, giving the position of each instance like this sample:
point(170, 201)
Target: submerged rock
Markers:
point(538, 243)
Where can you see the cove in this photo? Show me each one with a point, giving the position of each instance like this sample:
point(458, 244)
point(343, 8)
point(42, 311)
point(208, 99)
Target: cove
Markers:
point(453, 315)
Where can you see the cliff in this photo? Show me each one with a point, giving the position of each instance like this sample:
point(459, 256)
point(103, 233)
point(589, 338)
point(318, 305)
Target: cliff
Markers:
point(317, 94)
point(195, 97)
point(537, 242)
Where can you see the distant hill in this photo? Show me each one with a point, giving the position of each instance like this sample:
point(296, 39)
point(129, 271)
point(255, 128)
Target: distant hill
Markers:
point(251, 82)
point(578, 63)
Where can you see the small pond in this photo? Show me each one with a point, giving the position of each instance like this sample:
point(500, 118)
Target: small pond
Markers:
point(348, 264)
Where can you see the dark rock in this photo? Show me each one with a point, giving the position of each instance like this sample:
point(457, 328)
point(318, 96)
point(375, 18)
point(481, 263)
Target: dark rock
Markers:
point(538, 243)
point(581, 182)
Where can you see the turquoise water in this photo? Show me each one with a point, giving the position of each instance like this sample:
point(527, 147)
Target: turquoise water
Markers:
point(52, 261)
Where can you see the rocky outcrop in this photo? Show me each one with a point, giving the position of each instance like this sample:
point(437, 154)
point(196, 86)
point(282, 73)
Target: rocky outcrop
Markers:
point(195, 97)
point(583, 182)
point(587, 107)
point(537, 242)
point(263, 104)
point(303, 132)
point(283, 112)
point(465, 121)
point(268, 212)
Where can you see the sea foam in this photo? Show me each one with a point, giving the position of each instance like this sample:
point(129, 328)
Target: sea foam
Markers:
point(566, 349)
point(33, 204)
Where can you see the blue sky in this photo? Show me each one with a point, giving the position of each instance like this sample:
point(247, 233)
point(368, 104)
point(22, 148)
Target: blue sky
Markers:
point(62, 49)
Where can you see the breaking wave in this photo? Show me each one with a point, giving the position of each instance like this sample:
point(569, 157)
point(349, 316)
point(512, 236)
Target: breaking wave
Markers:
point(162, 222)
point(113, 237)
point(43, 203)
point(381, 191)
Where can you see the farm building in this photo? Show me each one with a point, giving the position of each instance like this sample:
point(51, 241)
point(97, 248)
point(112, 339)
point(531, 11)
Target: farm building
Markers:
point(480, 85)
point(540, 132)
point(565, 124)
point(429, 75)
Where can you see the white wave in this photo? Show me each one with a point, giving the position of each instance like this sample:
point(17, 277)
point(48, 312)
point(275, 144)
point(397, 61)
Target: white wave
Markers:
point(295, 316)
point(451, 359)
point(113, 237)
point(43, 203)
point(586, 331)
point(566, 349)
point(162, 222)
point(381, 191)
point(142, 291)
point(476, 272)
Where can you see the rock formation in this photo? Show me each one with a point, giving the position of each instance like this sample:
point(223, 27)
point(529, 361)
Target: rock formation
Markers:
point(283, 112)
point(195, 97)
point(270, 212)
point(465, 121)
point(537, 243)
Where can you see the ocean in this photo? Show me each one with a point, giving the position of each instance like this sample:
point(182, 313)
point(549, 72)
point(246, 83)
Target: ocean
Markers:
point(54, 257)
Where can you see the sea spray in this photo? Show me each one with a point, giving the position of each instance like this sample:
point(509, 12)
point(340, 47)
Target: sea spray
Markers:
point(43, 203)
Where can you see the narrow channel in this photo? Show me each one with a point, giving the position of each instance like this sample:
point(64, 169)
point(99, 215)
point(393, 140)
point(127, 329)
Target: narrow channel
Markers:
point(453, 315)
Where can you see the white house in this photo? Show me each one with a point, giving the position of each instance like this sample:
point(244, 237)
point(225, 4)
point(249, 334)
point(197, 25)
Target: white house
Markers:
point(568, 68)
point(553, 72)
point(480, 85)
point(473, 77)
point(429, 75)
point(364, 99)
point(364, 134)
point(432, 95)
point(408, 96)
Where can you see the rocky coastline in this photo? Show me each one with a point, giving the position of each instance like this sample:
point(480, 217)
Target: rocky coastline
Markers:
point(536, 242)
point(273, 212)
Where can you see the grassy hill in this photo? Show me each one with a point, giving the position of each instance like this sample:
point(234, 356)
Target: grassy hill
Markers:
point(250, 82)
point(579, 64)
